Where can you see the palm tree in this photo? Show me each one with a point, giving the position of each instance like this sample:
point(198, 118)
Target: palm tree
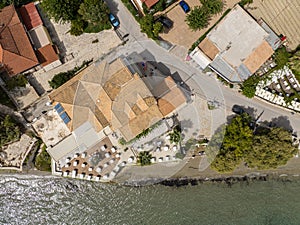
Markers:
point(144, 158)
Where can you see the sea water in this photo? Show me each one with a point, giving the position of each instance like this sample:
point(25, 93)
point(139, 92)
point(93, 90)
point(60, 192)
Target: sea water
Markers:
point(52, 200)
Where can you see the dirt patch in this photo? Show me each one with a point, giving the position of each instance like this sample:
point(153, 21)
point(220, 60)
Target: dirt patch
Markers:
point(181, 34)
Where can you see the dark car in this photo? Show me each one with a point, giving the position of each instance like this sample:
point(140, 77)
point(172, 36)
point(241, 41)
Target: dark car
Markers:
point(184, 6)
point(237, 109)
point(113, 20)
point(165, 21)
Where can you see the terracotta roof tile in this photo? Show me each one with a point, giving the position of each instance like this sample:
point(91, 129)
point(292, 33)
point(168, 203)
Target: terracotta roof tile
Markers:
point(17, 54)
point(30, 16)
point(258, 57)
point(47, 55)
point(150, 3)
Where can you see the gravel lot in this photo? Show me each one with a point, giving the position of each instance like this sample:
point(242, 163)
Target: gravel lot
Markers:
point(181, 34)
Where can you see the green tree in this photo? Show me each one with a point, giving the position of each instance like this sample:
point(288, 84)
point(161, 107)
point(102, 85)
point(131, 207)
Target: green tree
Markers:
point(198, 18)
point(213, 6)
point(16, 81)
point(150, 27)
point(237, 141)
point(281, 57)
point(249, 86)
point(175, 136)
point(77, 26)
point(61, 10)
point(94, 11)
point(144, 158)
point(17, 3)
point(43, 160)
point(271, 149)
point(9, 131)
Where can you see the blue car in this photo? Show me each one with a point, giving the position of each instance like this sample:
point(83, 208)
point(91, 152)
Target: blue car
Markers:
point(114, 21)
point(184, 6)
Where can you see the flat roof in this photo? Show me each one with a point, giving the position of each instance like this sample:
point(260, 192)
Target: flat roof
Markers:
point(75, 142)
point(237, 35)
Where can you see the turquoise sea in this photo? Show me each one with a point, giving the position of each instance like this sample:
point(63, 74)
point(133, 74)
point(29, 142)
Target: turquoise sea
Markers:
point(51, 200)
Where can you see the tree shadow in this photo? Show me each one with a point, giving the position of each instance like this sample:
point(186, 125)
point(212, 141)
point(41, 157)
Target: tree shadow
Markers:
point(113, 6)
point(186, 124)
point(281, 121)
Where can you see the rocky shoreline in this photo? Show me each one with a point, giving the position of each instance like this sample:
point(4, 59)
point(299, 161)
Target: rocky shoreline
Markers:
point(228, 180)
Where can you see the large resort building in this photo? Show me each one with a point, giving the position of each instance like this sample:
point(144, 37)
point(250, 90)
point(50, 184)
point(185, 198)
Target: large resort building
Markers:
point(236, 47)
point(102, 102)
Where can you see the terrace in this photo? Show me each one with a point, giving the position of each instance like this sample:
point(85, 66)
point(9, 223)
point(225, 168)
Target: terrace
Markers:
point(281, 88)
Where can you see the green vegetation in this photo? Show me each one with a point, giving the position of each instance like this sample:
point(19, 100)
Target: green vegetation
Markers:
point(61, 10)
point(199, 17)
point(271, 148)
point(267, 147)
point(17, 3)
point(144, 158)
point(179, 155)
point(9, 130)
point(160, 6)
point(5, 100)
point(132, 10)
point(249, 86)
point(175, 135)
point(294, 63)
point(16, 81)
point(43, 160)
point(245, 2)
point(237, 141)
point(62, 77)
point(281, 57)
point(89, 16)
point(213, 6)
point(196, 43)
point(147, 22)
point(150, 27)
point(144, 133)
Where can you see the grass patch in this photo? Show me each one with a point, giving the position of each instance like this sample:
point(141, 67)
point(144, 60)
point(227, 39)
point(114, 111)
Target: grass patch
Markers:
point(96, 28)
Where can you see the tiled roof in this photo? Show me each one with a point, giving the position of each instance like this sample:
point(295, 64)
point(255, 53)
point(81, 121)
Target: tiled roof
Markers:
point(258, 57)
point(150, 3)
point(209, 48)
point(17, 54)
point(30, 16)
point(47, 55)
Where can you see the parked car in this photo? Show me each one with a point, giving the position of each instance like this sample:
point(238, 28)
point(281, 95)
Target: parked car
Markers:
point(114, 20)
point(184, 6)
point(165, 21)
point(238, 109)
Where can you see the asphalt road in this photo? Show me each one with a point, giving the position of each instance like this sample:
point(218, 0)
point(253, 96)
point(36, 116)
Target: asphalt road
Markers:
point(201, 84)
